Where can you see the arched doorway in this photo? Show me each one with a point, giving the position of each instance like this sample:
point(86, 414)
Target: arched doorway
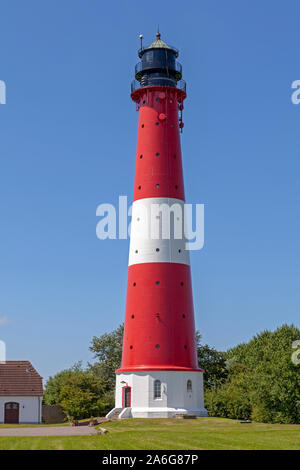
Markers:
point(11, 413)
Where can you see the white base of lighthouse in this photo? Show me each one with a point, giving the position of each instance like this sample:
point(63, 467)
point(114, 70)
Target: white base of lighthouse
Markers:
point(158, 394)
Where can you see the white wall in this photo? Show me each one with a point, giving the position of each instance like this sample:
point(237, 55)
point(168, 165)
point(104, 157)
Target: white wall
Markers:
point(30, 408)
point(174, 398)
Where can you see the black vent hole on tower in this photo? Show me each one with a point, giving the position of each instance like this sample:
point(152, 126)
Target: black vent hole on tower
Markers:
point(143, 125)
point(132, 316)
point(183, 315)
point(136, 251)
point(141, 156)
point(181, 283)
point(157, 249)
point(185, 346)
point(157, 346)
point(176, 187)
point(157, 123)
point(157, 283)
point(134, 284)
point(131, 347)
point(179, 251)
point(140, 187)
point(174, 156)
point(157, 154)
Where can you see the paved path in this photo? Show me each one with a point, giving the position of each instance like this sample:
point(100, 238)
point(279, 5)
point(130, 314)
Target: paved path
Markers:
point(49, 431)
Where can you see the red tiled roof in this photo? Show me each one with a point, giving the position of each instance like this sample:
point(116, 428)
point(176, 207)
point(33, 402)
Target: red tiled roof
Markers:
point(19, 378)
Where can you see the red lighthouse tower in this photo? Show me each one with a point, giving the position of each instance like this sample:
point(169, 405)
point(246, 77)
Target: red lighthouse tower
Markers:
point(159, 375)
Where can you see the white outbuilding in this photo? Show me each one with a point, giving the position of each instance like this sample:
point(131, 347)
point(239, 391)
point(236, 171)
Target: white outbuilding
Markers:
point(21, 393)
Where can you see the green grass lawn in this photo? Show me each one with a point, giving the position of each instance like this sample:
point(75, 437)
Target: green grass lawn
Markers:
point(148, 434)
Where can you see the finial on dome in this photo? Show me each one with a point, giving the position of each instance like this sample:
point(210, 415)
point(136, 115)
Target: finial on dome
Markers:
point(158, 33)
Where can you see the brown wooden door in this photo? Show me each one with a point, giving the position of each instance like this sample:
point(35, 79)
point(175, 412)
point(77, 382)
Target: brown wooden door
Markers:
point(11, 413)
point(127, 397)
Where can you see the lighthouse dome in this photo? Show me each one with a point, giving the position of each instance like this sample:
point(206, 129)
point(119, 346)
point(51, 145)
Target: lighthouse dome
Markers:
point(158, 44)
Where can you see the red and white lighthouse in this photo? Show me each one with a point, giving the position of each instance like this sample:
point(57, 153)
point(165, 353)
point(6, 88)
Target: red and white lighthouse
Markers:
point(159, 375)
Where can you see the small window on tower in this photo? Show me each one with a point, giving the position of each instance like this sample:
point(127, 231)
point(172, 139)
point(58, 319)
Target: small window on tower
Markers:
point(189, 387)
point(157, 389)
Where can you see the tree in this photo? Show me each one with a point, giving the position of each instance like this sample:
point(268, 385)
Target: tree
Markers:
point(230, 399)
point(262, 371)
point(54, 384)
point(80, 396)
point(213, 362)
point(80, 393)
point(107, 348)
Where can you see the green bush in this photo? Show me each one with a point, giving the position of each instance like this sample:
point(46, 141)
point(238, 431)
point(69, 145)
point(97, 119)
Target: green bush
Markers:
point(262, 382)
point(228, 402)
point(80, 393)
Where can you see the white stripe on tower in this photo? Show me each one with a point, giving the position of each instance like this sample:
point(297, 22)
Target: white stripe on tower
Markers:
point(157, 232)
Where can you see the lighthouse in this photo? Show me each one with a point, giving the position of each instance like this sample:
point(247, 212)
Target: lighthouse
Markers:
point(159, 375)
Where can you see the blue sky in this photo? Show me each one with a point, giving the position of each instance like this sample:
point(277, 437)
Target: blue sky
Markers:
point(67, 143)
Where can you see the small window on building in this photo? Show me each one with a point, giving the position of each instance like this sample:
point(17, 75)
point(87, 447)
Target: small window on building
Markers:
point(189, 386)
point(157, 389)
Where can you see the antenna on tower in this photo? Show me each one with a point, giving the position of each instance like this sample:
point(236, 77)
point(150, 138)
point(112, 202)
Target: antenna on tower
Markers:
point(141, 39)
